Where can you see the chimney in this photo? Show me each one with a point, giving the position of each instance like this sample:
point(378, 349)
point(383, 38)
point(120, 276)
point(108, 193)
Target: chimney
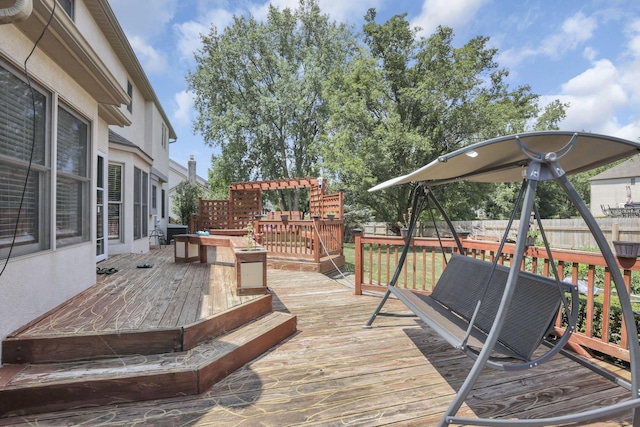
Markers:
point(192, 170)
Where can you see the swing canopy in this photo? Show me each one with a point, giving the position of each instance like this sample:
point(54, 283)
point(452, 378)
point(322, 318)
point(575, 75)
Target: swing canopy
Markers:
point(507, 313)
point(503, 160)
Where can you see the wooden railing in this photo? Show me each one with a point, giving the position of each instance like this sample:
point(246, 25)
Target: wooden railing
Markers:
point(600, 329)
point(303, 239)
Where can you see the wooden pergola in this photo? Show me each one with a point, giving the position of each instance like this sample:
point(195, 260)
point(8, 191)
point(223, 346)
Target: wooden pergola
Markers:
point(315, 241)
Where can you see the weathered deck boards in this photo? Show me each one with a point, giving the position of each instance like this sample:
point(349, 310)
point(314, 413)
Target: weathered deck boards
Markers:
point(166, 295)
point(333, 372)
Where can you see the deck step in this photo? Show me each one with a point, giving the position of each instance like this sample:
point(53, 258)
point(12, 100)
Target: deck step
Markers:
point(26, 348)
point(27, 389)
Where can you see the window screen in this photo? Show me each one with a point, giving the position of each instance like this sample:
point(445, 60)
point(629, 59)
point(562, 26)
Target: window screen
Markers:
point(23, 122)
point(72, 186)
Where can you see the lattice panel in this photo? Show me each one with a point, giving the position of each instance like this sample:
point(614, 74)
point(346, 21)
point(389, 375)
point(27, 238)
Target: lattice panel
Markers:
point(245, 205)
point(315, 199)
point(213, 214)
point(333, 203)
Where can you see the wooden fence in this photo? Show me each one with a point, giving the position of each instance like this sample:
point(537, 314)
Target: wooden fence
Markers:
point(562, 233)
point(600, 329)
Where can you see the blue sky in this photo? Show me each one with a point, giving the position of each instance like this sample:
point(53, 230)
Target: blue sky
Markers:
point(584, 52)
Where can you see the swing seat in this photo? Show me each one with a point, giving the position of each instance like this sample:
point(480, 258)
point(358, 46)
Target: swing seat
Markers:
point(449, 308)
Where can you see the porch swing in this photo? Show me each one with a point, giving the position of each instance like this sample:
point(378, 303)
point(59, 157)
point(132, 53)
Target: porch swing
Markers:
point(499, 315)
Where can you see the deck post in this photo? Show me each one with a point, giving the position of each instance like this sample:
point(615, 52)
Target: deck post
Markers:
point(317, 250)
point(357, 233)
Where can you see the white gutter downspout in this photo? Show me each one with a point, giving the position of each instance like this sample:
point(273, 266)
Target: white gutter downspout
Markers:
point(20, 11)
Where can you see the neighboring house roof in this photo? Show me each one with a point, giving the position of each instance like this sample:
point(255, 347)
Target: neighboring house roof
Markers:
point(627, 169)
point(183, 172)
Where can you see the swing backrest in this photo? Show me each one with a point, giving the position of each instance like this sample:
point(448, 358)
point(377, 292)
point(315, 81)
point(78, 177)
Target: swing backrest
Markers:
point(534, 305)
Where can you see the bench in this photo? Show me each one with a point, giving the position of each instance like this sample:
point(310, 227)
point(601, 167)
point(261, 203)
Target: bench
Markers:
point(450, 307)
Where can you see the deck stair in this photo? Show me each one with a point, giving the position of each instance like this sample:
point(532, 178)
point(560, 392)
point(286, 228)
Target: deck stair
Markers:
point(32, 388)
point(55, 369)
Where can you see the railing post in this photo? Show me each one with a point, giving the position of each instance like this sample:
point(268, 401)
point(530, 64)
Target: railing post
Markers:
point(359, 267)
point(317, 249)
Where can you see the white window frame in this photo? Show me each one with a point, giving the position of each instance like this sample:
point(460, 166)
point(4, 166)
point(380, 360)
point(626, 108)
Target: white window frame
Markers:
point(73, 175)
point(33, 232)
point(115, 200)
point(102, 241)
point(140, 204)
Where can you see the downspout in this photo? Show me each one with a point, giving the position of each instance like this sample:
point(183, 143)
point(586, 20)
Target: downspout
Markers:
point(20, 11)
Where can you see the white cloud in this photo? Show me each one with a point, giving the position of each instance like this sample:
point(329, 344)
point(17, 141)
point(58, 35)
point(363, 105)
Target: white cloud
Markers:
point(184, 113)
point(152, 60)
point(595, 97)
point(445, 12)
point(575, 31)
point(189, 32)
point(140, 20)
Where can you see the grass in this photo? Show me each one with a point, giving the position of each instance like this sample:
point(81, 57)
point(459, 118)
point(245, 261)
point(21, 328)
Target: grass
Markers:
point(416, 274)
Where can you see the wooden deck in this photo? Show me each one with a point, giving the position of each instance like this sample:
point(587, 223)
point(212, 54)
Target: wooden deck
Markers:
point(333, 372)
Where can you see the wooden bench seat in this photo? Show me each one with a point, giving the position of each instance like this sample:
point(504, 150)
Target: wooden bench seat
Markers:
point(450, 307)
point(250, 263)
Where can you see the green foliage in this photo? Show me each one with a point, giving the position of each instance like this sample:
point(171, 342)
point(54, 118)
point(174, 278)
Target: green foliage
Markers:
point(403, 101)
point(615, 318)
point(355, 217)
point(186, 200)
point(259, 92)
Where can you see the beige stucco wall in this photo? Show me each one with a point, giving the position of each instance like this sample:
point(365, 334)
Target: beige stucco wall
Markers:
point(34, 284)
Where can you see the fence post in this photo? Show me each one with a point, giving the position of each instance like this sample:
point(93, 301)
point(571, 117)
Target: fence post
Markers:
point(317, 250)
point(357, 233)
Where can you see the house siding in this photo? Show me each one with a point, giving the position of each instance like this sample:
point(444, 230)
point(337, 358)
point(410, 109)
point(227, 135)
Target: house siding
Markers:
point(33, 284)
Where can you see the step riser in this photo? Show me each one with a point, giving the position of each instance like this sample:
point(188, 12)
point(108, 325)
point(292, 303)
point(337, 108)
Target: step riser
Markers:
point(211, 374)
point(54, 397)
point(97, 346)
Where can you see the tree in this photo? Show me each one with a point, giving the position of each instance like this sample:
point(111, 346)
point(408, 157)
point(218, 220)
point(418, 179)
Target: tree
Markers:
point(404, 101)
point(259, 92)
point(186, 201)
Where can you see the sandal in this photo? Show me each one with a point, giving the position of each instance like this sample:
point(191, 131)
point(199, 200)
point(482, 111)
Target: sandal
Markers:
point(145, 265)
point(110, 271)
point(101, 270)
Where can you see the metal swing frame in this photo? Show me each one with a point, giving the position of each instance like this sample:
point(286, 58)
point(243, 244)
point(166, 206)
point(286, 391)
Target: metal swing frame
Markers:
point(539, 166)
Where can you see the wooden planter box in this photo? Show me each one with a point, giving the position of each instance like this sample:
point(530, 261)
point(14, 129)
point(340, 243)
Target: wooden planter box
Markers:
point(626, 249)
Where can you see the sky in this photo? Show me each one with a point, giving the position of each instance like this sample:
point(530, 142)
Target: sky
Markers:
point(582, 52)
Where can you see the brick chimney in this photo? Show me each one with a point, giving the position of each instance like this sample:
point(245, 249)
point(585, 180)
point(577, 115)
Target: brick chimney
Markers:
point(192, 170)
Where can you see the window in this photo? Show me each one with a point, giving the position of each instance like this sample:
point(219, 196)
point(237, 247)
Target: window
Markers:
point(67, 5)
point(114, 218)
point(162, 215)
point(140, 203)
point(130, 93)
point(164, 136)
point(154, 198)
point(23, 136)
point(72, 186)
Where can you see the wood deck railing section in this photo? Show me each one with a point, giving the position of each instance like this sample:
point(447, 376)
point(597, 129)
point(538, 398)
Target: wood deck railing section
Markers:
point(301, 239)
point(377, 257)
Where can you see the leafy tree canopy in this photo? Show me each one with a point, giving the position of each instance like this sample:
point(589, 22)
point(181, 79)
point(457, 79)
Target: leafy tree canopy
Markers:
point(403, 101)
point(186, 200)
point(259, 92)
point(298, 94)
